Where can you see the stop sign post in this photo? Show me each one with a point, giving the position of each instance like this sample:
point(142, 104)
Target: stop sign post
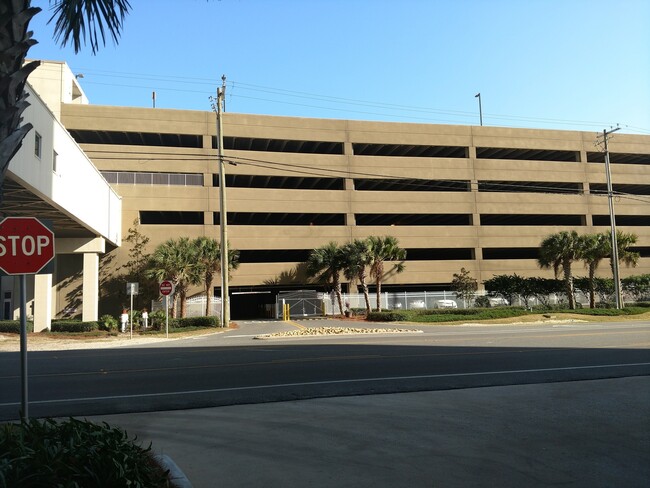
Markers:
point(26, 247)
point(166, 289)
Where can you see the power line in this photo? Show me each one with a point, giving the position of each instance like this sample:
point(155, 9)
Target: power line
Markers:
point(330, 99)
point(405, 180)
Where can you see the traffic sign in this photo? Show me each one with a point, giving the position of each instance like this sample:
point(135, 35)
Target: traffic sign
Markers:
point(26, 245)
point(166, 287)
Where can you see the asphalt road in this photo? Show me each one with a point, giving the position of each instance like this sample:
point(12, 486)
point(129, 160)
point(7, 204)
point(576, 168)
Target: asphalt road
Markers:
point(234, 368)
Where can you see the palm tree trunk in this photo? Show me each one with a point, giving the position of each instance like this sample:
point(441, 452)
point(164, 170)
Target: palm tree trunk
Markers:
point(364, 287)
point(16, 41)
point(568, 281)
point(183, 298)
point(378, 283)
point(208, 295)
point(592, 286)
point(207, 301)
point(337, 291)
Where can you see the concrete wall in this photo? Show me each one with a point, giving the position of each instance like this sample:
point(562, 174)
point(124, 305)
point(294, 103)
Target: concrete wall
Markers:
point(350, 202)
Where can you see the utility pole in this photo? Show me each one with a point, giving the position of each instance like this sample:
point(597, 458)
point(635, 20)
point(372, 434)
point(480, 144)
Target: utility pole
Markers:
point(612, 221)
point(480, 108)
point(223, 90)
point(223, 214)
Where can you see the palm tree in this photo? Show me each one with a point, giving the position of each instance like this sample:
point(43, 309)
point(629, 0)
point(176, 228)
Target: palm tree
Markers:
point(75, 21)
point(560, 251)
point(593, 249)
point(208, 261)
point(357, 260)
point(384, 249)
point(175, 260)
point(325, 264)
point(624, 240)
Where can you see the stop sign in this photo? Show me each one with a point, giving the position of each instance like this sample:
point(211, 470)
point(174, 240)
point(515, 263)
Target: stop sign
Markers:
point(166, 287)
point(26, 245)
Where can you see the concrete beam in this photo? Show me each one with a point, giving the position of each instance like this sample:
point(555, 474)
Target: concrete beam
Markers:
point(80, 244)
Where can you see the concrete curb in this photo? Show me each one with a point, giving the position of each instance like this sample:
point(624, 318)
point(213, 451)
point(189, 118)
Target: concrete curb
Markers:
point(176, 476)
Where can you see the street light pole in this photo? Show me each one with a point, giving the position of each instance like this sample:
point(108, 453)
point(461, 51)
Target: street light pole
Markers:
point(223, 215)
point(480, 108)
point(612, 223)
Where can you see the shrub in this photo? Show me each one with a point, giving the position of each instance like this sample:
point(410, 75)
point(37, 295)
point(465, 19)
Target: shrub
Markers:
point(74, 453)
point(388, 316)
point(13, 326)
point(108, 322)
point(195, 322)
point(460, 315)
point(612, 312)
point(73, 326)
point(482, 302)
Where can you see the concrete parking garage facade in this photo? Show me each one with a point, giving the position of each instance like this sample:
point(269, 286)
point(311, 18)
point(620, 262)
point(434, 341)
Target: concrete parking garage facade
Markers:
point(482, 198)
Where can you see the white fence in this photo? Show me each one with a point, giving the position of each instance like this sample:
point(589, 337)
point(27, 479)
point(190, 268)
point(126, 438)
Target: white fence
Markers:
point(195, 306)
point(309, 303)
point(304, 306)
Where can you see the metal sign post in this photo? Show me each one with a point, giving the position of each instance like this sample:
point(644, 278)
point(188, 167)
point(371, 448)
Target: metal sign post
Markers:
point(167, 316)
point(131, 289)
point(24, 413)
point(26, 247)
point(166, 289)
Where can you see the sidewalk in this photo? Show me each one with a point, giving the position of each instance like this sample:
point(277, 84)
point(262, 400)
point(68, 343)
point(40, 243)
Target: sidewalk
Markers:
point(578, 434)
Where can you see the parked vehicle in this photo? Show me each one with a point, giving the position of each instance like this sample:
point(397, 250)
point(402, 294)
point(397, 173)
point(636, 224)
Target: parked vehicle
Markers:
point(446, 304)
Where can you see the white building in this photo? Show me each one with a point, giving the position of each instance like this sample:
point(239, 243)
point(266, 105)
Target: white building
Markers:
point(51, 178)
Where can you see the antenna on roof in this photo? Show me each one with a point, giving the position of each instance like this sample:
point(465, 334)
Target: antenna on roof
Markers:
point(153, 98)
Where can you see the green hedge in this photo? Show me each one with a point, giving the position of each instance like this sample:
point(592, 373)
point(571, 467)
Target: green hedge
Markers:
point(73, 326)
point(13, 326)
point(74, 453)
point(194, 322)
point(460, 315)
point(388, 316)
point(609, 312)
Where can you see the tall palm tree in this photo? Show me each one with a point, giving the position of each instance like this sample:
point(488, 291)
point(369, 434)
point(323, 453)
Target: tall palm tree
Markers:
point(593, 249)
point(175, 260)
point(357, 260)
point(325, 264)
point(560, 251)
point(76, 21)
point(624, 240)
point(384, 249)
point(208, 263)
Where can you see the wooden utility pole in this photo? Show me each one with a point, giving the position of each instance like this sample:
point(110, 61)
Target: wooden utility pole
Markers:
point(223, 214)
point(612, 222)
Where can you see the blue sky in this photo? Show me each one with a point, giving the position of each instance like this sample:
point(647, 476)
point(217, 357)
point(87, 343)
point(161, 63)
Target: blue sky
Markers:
point(562, 64)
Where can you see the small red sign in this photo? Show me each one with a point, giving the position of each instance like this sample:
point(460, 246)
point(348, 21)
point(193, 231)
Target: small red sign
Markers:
point(26, 245)
point(166, 287)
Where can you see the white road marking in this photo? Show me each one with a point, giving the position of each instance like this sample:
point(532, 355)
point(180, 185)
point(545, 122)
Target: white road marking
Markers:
point(330, 382)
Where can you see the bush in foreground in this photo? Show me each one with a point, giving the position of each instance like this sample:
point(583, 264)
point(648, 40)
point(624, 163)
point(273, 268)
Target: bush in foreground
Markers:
point(74, 453)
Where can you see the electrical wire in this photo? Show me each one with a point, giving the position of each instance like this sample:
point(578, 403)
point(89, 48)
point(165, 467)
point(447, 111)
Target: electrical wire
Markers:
point(331, 99)
point(405, 181)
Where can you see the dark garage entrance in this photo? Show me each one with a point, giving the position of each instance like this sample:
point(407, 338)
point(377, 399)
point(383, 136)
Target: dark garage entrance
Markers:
point(252, 305)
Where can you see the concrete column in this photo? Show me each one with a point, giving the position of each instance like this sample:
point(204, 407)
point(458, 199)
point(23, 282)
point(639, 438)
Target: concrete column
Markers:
point(42, 302)
point(90, 297)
